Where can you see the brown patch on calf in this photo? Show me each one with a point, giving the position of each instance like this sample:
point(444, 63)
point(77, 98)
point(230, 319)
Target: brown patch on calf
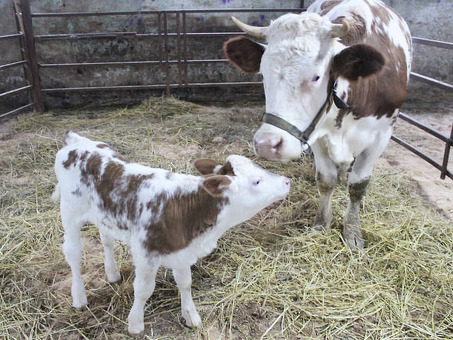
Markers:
point(205, 166)
point(227, 169)
point(244, 53)
point(109, 181)
point(91, 169)
point(72, 159)
point(183, 218)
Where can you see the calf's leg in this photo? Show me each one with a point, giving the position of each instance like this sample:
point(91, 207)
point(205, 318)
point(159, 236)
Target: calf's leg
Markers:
point(144, 283)
point(72, 249)
point(111, 268)
point(183, 278)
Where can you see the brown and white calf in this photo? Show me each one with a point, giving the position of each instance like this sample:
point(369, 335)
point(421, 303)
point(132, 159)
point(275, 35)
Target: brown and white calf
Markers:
point(334, 78)
point(168, 219)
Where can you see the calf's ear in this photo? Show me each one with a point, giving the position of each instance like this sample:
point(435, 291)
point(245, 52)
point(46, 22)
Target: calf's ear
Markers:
point(205, 166)
point(244, 53)
point(357, 61)
point(215, 185)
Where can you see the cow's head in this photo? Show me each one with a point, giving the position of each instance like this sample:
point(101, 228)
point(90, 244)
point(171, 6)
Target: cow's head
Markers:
point(300, 60)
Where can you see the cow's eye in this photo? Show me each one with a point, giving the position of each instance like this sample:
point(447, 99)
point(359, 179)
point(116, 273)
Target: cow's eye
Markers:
point(258, 181)
point(316, 78)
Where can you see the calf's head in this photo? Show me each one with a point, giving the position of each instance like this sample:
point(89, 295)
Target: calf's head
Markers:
point(248, 187)
point(301, 60)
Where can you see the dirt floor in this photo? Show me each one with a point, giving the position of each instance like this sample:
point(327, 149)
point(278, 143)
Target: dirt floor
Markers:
point(437, 114)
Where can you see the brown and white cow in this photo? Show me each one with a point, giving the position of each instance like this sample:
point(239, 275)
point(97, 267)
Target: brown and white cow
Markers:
point(334, 78)
point(168, 219)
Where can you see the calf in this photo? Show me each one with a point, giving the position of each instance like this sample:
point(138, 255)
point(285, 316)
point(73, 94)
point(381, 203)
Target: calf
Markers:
point(168, 219)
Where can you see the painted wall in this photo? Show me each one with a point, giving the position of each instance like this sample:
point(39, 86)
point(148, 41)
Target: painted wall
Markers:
point(426, 18)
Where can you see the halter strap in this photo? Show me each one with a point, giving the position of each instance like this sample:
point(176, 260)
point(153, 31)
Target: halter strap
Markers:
point(303, 136)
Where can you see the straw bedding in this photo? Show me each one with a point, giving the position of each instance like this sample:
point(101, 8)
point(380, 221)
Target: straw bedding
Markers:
point(270, 278)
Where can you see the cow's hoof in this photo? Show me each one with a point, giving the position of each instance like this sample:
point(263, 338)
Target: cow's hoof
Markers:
point(320, 228)
point(353, 239)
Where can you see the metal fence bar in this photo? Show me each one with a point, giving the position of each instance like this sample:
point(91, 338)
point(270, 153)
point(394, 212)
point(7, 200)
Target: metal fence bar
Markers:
point(14, 64)
point(18, 110)
point(130, 63)
point(30, 51)
point(448, 146)
point(15, 91)
point(435, 43)
point(432, 81)
point(422, 155)
point(127, 35)
point(184, 48)
point(167, 65)
point(188, 11)
point(423, 127)
point(145, 87)
point(11, 36)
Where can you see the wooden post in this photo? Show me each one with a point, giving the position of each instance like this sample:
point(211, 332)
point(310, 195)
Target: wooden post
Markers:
point(25, 23)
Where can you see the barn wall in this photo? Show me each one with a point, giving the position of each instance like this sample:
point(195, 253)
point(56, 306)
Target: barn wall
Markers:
point(426, 18)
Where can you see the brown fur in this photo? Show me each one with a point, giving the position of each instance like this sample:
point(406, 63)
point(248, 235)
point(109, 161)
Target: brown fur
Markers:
point(379, 94)
point(184, 217)
point(244, 53)
point(72, 159)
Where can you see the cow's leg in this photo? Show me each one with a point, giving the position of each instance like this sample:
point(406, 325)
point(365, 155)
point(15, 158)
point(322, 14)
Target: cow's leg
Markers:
point(144, 283)
point(183, 278)
point(111, 268)
point(72, 249)
point(326, 179)
point(357, 183)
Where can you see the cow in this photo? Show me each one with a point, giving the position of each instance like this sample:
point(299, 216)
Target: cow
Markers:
point(168, 219)
point(335, 78)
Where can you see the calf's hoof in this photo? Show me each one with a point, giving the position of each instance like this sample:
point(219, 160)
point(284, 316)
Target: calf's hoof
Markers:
point(114, 277)
point(79, 300)
point(136, 328)
point(353, 239)
point(192, 318)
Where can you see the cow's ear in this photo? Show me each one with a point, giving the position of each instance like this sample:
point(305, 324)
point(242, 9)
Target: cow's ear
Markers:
point(215, 185)
point(358, 61)
point(205, 166)
point(244, 53)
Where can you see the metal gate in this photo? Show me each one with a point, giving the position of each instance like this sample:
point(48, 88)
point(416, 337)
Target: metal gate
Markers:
point(178, 18)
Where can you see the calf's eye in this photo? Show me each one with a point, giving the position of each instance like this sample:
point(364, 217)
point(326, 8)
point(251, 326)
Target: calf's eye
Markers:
point(257, 182)
point(316, 78)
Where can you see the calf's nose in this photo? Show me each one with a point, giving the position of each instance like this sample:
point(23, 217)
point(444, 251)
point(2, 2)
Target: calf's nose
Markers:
point(287, 182)
point(267, 145)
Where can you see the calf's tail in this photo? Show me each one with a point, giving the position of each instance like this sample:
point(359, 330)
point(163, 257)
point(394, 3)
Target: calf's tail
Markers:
point(56, 193)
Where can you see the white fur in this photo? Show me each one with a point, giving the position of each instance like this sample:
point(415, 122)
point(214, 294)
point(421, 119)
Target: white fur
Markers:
point(80, 204)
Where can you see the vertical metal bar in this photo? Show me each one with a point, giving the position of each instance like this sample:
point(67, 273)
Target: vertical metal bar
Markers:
point(167, 65)
point(184, 30)
point(178, 44)
point(446, 155)
point(30, 50)
point(20, 28)
point(159, 34)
